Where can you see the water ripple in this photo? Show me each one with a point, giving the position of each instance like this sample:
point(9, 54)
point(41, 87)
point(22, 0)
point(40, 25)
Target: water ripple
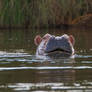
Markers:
point(48, 86)
point(44, 68)
point(83, 56)
point(14, 55)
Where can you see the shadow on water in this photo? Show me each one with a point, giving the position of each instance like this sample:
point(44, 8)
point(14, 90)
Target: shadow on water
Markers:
point(21, 71)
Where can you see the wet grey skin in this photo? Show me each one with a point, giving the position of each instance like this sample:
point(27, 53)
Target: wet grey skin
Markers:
point(59, 47)
point(55, 47)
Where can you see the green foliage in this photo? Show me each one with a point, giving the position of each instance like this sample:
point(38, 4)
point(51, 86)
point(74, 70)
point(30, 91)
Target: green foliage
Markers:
point(36, 13)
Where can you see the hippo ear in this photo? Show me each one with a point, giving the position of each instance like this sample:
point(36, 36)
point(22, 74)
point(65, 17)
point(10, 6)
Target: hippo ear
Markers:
point(37, 40)
point(71, 39)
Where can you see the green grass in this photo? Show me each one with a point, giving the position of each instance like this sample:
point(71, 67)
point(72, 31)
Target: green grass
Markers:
point(36, 13)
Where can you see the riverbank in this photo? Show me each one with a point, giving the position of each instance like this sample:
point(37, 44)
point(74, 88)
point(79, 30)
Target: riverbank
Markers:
point(81, 22)
point(42, 13)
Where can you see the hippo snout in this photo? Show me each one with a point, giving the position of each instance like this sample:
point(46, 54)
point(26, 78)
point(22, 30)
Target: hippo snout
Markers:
point(50, 45)
point(58, 44)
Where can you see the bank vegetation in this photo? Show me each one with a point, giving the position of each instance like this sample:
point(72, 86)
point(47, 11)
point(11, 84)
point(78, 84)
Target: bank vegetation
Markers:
point(42, 13)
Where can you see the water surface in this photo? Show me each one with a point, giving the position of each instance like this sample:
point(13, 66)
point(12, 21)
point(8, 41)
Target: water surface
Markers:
point(21, 71)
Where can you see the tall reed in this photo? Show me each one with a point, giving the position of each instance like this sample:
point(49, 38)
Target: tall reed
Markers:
point(37, 13)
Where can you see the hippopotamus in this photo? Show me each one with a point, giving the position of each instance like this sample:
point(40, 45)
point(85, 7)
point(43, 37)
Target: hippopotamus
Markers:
point(55, 46)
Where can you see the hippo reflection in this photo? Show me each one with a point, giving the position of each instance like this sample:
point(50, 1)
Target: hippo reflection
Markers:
point(55, 46)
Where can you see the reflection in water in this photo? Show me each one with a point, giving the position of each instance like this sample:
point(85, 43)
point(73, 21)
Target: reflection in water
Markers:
point(21, 71)
point(46, 86)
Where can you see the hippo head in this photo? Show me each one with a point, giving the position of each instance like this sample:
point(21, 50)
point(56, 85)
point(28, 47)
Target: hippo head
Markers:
point(56, 46)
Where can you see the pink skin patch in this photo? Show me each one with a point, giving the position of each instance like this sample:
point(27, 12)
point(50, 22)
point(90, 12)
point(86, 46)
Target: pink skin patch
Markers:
point(38, 39)
point(72, 40)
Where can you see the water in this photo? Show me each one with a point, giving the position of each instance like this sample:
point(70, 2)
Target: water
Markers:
point(21, 71)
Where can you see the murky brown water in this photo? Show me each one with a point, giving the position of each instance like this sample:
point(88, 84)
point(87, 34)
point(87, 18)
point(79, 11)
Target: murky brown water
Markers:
point(21, 71)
